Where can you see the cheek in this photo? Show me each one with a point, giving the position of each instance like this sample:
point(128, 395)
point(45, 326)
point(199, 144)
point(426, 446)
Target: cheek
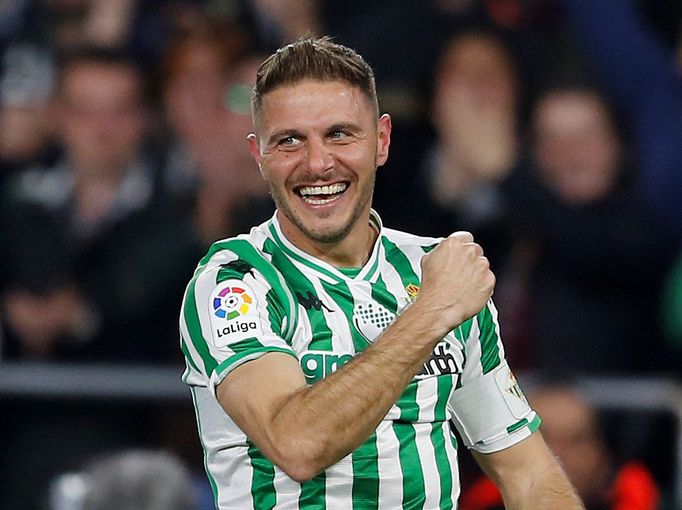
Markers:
point(279, 166)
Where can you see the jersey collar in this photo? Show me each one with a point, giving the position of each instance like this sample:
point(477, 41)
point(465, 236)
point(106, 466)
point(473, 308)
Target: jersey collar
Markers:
point(323, 269)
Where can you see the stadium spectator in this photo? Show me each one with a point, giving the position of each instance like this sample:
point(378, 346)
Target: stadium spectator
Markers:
point(599, 257)
point(207, 99)
point(644, 78)
point(475, 113)
point(89, 270)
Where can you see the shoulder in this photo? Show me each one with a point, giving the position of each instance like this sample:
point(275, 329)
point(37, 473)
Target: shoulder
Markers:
point(400, 238)
point(238, 256)
point(244, 258)
point(411, 245)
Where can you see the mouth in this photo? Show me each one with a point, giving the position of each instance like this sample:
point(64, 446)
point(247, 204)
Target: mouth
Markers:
point(321, 195)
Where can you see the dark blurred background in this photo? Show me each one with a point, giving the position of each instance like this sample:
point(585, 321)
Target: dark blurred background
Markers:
point(551, 129)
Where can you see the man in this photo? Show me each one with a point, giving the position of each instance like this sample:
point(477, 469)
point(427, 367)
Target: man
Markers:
point(327, 355)
point(87, 233)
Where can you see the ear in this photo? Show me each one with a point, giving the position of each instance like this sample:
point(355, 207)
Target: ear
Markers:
point(254, 149)
point(384, 126)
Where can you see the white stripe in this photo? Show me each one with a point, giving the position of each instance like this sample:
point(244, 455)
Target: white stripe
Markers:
point(342, 338)
point(472, 366)
point(427, 397)
point(338, 489)
point(414, 254)
point(288, 491)
point(390, 473)
point(427, 458)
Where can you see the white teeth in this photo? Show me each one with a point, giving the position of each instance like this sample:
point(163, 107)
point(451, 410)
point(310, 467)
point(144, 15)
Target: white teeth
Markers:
point(323, 190)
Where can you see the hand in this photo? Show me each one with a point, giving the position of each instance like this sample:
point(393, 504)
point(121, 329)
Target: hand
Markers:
point(42, 321)
point(456, 281)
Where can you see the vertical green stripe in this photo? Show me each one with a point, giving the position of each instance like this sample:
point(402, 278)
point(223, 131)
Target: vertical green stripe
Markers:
point(211, 480)
point(303, 287)
point(188, 356)
point(262, 480)
point(463, 331)
point(366, 475)
point(445, 384)
point(438, 431)
point(381, 295)
point(407, 403)
point(313, 493)
point(191, 315)
point(274, 314)
point(490, 350)
point(342, 296)
point(410, 465)
point(400, 262)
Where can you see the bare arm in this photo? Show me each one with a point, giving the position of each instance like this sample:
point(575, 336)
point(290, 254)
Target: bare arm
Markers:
point(305, 429)
point(529, 476)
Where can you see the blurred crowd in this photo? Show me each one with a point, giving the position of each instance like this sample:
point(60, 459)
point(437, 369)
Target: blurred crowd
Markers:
point(551, 129)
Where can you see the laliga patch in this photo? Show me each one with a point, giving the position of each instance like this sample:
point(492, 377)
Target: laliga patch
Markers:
point(511, 392)
point(234, 313)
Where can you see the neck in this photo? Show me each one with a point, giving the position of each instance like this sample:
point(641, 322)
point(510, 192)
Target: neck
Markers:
point(351, 251)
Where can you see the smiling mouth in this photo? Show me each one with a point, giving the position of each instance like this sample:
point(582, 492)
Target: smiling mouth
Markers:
point(320, 195)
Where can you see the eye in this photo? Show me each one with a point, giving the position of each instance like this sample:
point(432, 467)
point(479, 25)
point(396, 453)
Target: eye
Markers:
point(288, 141)
point(338, 135)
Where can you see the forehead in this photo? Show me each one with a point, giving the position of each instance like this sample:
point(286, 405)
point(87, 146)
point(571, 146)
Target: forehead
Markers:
point(571, 111)
point(313, 102)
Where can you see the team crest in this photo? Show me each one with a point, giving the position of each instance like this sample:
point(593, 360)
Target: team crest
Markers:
point(511, 391)
point(371, 319)
point(412, 291)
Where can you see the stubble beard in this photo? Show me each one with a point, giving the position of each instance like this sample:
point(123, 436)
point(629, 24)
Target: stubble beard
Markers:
point(325, 236)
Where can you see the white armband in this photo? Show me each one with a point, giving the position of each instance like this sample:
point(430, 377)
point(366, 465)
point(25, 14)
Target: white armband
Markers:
point(491, 413)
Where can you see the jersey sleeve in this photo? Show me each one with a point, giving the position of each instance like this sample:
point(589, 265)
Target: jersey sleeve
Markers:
point(488, 407)
point(233, 313)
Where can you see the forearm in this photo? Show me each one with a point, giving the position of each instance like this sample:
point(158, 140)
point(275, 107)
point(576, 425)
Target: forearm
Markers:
point(529, 477)
point(337, 414)
point(550, 490)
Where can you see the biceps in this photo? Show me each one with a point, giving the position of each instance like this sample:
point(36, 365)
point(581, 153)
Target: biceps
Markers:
point(253, 393)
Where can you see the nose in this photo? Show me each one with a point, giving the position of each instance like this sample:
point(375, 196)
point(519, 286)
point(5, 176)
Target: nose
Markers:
point(319, 157)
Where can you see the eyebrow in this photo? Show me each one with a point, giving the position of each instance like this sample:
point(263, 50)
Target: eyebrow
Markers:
point(283, 133)
point(347, 126)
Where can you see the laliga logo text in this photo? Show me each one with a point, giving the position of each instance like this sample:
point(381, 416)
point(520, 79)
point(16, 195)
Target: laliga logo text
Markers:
point(231, 304)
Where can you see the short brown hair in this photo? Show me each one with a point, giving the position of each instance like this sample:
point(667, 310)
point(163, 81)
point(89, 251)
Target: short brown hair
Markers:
point(316, 59)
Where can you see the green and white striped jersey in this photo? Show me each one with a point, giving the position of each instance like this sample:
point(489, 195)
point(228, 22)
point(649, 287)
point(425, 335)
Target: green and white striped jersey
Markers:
point(258, 293)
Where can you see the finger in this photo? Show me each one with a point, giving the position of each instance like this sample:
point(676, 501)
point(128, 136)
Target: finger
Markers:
point(478, 250)
point(465, 237)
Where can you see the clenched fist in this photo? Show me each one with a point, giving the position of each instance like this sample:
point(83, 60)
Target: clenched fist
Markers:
point(456, 281)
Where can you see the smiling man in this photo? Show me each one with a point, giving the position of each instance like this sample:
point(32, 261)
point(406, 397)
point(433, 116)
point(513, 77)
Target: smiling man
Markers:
point(328, 355)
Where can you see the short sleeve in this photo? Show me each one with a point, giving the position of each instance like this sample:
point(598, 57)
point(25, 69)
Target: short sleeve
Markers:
point(228, 318)
point(488, 407)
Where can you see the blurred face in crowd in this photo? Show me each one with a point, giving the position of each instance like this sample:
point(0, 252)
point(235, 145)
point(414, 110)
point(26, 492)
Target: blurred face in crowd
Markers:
point(476, 68)
point(24, 132)
point(570, 429)
point(576, 148)
point(101, 116)
point(196, 86)
point(318, 145)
